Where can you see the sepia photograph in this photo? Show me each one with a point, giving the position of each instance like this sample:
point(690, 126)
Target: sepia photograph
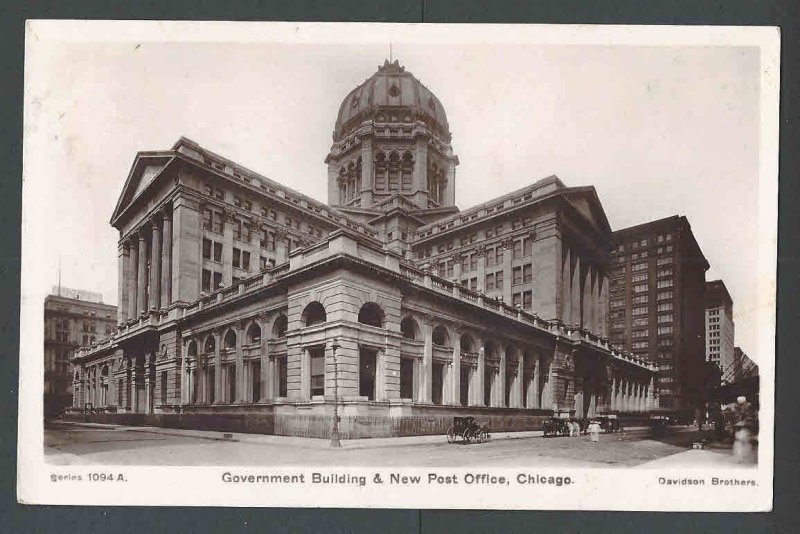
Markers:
point(389, 265)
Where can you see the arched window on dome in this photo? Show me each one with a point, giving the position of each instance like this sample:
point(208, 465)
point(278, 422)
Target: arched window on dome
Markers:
point(380, 171)
point(406, 170)
point(394, 171)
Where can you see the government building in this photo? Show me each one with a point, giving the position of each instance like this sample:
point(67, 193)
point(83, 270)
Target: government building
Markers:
point(247, 306)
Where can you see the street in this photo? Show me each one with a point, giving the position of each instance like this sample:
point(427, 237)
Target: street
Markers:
point(68, 444)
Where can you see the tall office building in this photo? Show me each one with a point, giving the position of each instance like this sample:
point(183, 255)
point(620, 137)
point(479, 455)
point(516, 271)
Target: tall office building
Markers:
point(719, 325)
point(72, 318)
point(656, 305)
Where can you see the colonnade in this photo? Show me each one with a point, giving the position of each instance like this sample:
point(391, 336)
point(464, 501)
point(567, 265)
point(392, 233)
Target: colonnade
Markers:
point(145, 268)
point(584, 294)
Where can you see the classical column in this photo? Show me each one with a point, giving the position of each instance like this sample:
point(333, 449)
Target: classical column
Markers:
point(455, 382)
point(427, 363)
point(182, 371)
point(141, 283)
point(566, 287)
point(575, 293)
point(166, 261)
point(147, 385)
point(534, 387)
point(481, 374)
point(155, 266)
point(516, 393)
point(217, 368)
point(613, 396)
point(267, 365)
point(240, 375)
point(122, 282)
point(130, 278)
point(501, 389)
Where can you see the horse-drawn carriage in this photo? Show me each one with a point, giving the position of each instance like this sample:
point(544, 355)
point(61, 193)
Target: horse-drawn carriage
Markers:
point(467, 430)
point(609, 423)
point(556, 426)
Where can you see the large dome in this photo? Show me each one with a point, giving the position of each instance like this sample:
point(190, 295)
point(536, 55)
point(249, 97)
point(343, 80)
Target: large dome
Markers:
point(391, 95)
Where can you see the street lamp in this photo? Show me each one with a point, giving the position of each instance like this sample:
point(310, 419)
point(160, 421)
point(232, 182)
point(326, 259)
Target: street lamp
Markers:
point(335, 430)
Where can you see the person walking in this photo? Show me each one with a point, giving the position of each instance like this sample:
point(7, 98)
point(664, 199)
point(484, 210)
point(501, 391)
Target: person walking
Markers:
point(594, 431)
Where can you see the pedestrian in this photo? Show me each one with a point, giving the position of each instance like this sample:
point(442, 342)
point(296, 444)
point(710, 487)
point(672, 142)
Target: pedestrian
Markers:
point(594, 431)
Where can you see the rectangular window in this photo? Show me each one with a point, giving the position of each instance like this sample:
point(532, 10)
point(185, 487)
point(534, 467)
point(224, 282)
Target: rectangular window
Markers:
point(640, 334)
point(516, 299)
point(206, 249)
point(517, 248)
point(450, 269)
point(218, 252)
point(237, 257)
point(641, 321)
point(163, 387)
point(665, 318)
point(208, 217)
point(246, 232)
point(283, 377)
point(206, 280)
point(664, 306)
point(516, 277)
point(642, 277)
point(663, 261)
point(617, 303)
point(245, 260)
point(641, 266)
point(640, 345)
point(498, 255)
point(527, 300)
point(473, 283)
point(640, 288)
point(406, 378)
point(664, 283)
point(465, 264)
point(498, 280)
point(490, 282)
point(641, 299)
point(527, 273)
point(217, 280)
point(255, 379)
point(664, 330)
point(237, 229)
point(217, 222)
point(527, 247)
point(317, 371)
point(640, 311)
point(667, 271)
point(366, 373)
point(664, 295)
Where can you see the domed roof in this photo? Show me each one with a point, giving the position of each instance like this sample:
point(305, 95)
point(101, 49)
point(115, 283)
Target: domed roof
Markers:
point(391, 88)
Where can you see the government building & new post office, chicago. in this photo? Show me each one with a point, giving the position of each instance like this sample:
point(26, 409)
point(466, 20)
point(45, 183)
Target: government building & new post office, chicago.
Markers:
point(247, 306)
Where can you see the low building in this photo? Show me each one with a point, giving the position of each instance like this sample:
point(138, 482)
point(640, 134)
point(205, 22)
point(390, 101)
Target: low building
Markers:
point(719, 326)
point(72, 318)
point(247, 305)
point(656, 305)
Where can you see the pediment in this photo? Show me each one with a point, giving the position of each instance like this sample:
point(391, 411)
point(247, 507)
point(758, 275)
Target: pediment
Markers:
point(587, 203)
point(146, 167)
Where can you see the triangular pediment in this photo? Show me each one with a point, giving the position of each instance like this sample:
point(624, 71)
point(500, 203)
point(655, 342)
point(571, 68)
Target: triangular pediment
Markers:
point(587, 203)
point(146, 167)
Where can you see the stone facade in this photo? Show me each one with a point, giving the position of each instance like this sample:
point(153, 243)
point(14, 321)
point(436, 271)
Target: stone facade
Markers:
point(261, 309)
point(720, 329)
point(72, 318)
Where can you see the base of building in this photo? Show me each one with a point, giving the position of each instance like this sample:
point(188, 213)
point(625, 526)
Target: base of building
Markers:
point(315, 420)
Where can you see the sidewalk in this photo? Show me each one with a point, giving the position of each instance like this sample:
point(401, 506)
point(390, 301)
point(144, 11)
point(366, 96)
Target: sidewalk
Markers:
point(703, 458)
point(291, 441)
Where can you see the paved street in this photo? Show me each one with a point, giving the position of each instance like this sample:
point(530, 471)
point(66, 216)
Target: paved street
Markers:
point(67, 444)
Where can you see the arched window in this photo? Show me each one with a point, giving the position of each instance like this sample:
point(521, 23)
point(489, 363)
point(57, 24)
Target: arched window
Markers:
point(104, 372)
point(406, 170)
point(314, 314)
point(371, 314)
point(192, 349)
point(254, 333)
point(210, 344)
point(466, 343)
point(230, 340)
point(380, 171)
point(279, 327)
point(409, 328)
point(440, 337)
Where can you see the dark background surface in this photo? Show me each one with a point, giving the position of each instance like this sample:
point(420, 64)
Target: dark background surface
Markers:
point(19, 518)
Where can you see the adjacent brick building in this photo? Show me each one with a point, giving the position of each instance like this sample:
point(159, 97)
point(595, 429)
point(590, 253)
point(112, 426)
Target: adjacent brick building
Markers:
point(247, 305)
point(657, 307)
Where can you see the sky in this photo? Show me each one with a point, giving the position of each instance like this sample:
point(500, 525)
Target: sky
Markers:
point(657, 130)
